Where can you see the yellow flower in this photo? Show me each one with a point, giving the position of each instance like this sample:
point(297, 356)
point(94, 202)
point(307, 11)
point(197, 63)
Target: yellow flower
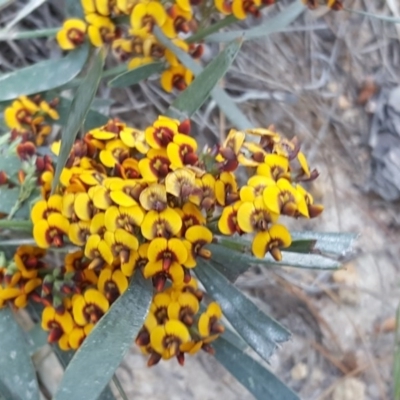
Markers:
point(241, 8)
point(137, 260)
point(228, 222)
point(283, 198)
point(190, 216)
point(101, 29)
point(112, 284)
point(49, 110)
point(165, 224)
point(72, 34)
point(154, 197)
point(208, 325)
point(274, 167)
point(177, 77)
point(255, 187)
point(254, 216)
point(28, 261)
point(223, 6)
point(126, 193)
point(226, 189)
point(89, 307)
point(44, 208)
point(155, 165)
point(271, 241)
point(183, 308)
point(98, 251)
point(205, 195)
point(114, 153)
point(177, 21)
point(78, 335)
point(145, 15)
point(163, 254)
point(166, 339)
point(21, 292)
point(161, 132)
point(59, 325)
point(126, 218)
point(136, 62)
point(121, 244)
point(196, 238)
point(180, 183)
point(182, 151)
point(49, 232)
point(17, 115)
point(314, 210)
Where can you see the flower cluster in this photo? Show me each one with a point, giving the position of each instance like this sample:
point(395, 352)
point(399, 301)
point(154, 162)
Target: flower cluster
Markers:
point(127, 27)
point(335, 5)
point(26, 117)
point(149, 201)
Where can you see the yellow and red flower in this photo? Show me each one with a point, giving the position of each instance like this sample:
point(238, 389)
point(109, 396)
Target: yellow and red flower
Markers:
point(72, 34)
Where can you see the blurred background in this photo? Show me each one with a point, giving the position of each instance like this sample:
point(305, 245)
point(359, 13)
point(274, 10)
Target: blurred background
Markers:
point(331, 79)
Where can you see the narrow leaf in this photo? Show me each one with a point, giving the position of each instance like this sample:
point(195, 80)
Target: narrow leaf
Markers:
point(93, 118)
point(385, 18)
point(27, 9)
point(339, 244)
point(258, 380)
point(260, 331)
point(10, 163)
point(17, 373)
point(44, 75)
point(226, 104)
point(78, 111)
point(136, 75)
point(194, 96)
point(236, 261)
point(105, 347)
point(73, 8)
point(8, 199)
point(278, 23)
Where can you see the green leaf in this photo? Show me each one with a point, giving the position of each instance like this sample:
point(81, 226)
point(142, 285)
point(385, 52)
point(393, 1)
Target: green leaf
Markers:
point(8, 199)
point(385, 18)
point(136, 75)
point(30, 34)
point(258, 380)
point(10, 164)
point(78, 111)
point(93, 118)
point(274, 24)
point(65, 358)
point(234, 257)
point(73, 8)
point(20, 225)
point(27, 9)
point(17, 373)
point(260, 331)
point(338, 244)
point(44, 75)
point(194, 96)
point(226, 104)
point(105, 347)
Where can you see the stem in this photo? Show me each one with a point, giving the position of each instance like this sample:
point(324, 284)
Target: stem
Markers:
point(50, 32)
point(118, 385)
point(16, 224)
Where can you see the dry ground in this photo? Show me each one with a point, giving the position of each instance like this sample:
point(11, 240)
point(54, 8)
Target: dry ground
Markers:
point(307, 82)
